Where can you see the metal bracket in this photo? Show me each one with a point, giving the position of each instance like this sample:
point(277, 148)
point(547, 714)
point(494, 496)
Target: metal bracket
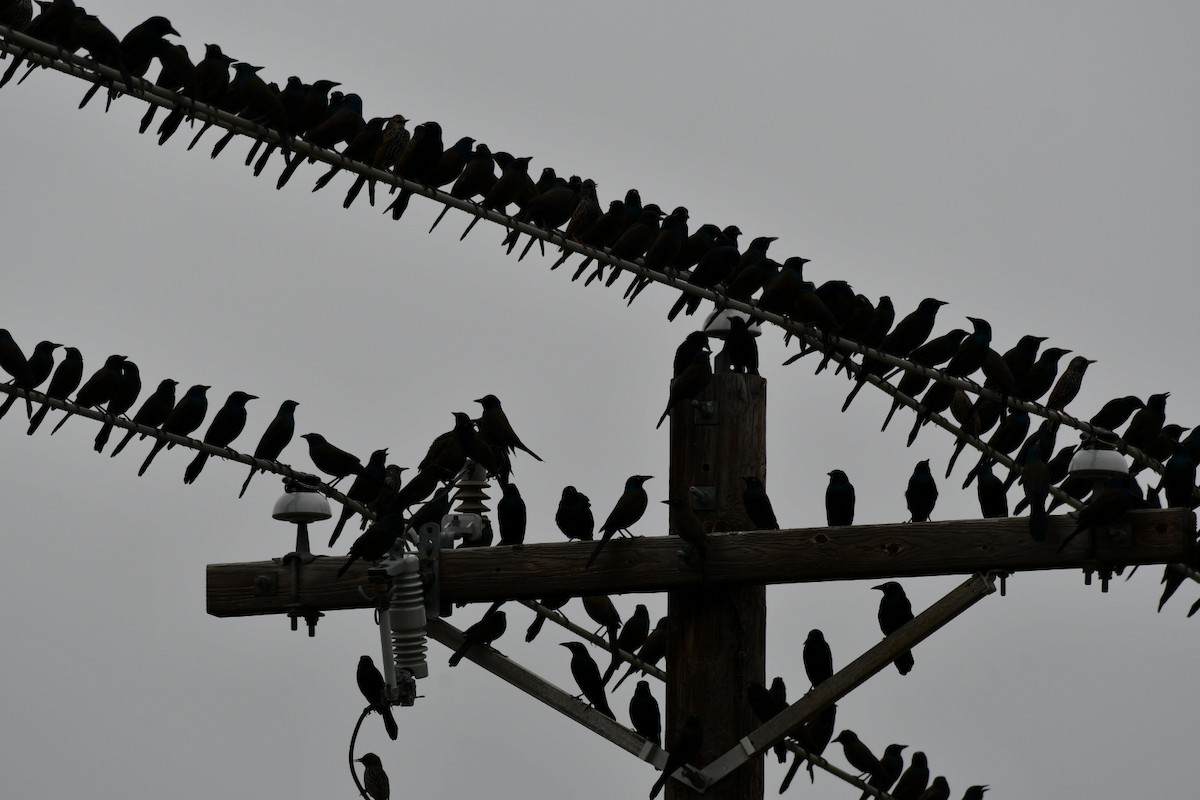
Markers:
point(704, 498)
point(266, 584)
point(705, 412)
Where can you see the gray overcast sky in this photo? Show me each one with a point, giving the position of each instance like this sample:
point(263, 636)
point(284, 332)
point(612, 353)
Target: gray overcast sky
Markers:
point(1030, 163)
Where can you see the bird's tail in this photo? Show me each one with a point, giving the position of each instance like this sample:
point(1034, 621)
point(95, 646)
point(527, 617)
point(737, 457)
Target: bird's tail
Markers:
point(121, 445)
point(158, 445)
point(244, 485)
point(193, 469)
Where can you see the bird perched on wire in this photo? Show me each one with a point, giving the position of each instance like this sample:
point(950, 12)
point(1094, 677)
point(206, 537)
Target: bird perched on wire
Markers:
point(685, 747)
point(489, 628)
point(552, 603)
point(1068, 384)
point(891, 765)
point(921, 494)
point(375, 780)
point(494, 425)
point(574, 515)
point(366, 487)
point(35, 372)
point(96, 390)
point(374, 689)
point(587, 676)
point(276, 437)
point(333, 461)
point(633, 635)
point(13, 361)
point(154, 411)
point(914, 780)
point(894, 612)
point(124, 394)
point(818, 659)
point(1147, 422)
point(185, 417)
point(629, 508)
point(227, 425)
point(858, 754)
point(600, 609)
point(1115, 412)
point(766, 706)
point(758, 505)
point(689, 384)
point(652, 650)
point(644, 713)
point(66, 378)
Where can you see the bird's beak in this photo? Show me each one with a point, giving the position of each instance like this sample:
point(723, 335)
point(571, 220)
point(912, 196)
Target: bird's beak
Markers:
point(879, 587)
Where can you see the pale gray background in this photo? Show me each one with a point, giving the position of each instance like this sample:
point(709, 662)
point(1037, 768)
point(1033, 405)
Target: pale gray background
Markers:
point(1031, 164)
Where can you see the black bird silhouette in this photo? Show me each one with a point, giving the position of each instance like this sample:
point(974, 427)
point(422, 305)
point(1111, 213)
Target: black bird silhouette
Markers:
point(587, 676)
point(185, 417)
point(1115, 412)
point(653, 650)
point(633, 635)
point(914, 780)
point(375, 542)
point(552, 603)
point(488, 629)
point(939, 789)
point(227, 425)
point(574, 515)
point(891, 765)
point(766, 706)
point(688, 385)
point(645, 714)
point(894, 612)
point(921, 494)
point(494, 425)
point(858, 754)
point(66, 378)
point(374, 689)
point(511, 516)
point(739, 353)
point(124, 394)
point(36, 370)
point(1148, 422)
point(758, 505)
point(685, 748)
point(688, 527)
point(818, 660)
point(1041, 374)
point(96, 390)
point(839, 500)
point(993, 499)
point(276, 437)
point(629, 508)
point(1035, 478)
point(694, 343)
point(331, 460)
point(365, 489)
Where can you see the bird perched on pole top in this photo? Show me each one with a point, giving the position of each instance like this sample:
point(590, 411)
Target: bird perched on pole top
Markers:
point(688, 385)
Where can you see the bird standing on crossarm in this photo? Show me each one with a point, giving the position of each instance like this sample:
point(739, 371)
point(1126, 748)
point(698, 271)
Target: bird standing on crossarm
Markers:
point(587, 676)
point(921, 494)
point(629, 508)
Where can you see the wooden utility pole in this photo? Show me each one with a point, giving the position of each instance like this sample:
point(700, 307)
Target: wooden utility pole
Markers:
point(718, 633)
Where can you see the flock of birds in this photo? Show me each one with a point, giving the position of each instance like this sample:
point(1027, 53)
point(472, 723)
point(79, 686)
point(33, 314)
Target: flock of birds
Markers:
point(709, 258)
